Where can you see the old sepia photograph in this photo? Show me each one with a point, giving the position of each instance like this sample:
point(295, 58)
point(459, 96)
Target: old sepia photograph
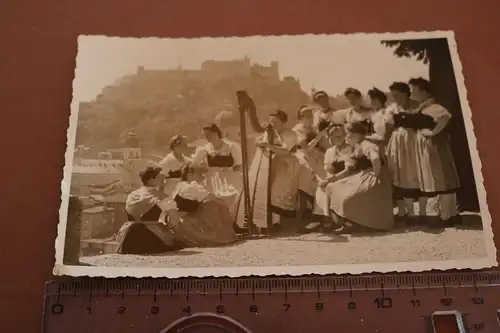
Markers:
point(263, 155)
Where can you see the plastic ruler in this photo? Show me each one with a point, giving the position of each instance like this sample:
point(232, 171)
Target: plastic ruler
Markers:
point(434, 302)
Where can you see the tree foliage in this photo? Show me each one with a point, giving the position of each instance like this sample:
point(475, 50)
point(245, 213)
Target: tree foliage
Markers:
point(410, 48)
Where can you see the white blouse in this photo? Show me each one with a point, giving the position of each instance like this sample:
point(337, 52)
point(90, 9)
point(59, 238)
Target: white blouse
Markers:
point(191, 191)
point(439, 113)
point(228, 148)
point(171, 163)
point(287, 139)
point(335, 153)
point(365, 148)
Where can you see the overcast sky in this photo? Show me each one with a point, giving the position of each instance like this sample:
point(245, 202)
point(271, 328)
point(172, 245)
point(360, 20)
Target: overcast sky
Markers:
point(329, 63)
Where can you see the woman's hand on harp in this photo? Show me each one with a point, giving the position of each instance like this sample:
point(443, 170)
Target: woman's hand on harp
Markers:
point(323, 183)
point(262, 144)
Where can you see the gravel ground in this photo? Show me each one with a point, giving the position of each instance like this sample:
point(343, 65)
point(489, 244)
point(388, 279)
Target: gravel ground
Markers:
point(317, 249)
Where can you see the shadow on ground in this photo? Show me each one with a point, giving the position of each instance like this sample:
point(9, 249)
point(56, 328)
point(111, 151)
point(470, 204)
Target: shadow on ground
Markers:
point(467, 221)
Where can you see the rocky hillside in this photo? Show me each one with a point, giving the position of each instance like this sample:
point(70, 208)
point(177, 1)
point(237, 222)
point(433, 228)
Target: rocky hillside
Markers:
point(157, 106)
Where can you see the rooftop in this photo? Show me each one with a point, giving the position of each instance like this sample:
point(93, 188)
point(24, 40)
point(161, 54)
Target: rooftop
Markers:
point(97, 209)
point(97, 166)
point(115, 198)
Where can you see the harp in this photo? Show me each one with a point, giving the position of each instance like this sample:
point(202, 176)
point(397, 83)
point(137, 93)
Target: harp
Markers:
point(269, 214)
point(245, 161)
point(262, 179)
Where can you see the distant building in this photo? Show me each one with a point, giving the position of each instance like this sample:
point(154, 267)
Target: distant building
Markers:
point(87, 173)
point(114, 165)
point(216, 70)
point(125, 153)
point(82, 151)
point(168, 95)
point(105, 155)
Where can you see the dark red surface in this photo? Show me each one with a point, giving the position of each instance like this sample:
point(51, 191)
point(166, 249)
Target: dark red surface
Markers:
point(37, 59)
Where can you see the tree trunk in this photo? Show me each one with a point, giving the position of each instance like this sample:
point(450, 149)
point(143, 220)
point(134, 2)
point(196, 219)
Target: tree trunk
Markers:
point(442, 77)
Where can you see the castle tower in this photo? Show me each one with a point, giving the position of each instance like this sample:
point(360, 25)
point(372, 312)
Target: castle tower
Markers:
point(132, 161)
point(132, 150)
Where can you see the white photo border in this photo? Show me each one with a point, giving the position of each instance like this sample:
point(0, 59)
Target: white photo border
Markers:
point(174, 272)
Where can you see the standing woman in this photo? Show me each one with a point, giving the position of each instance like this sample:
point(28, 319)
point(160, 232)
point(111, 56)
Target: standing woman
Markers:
point(379, 120)
point(277, 188)
point(323, 115)
point(221, 160)
point(401, 152)
point(285, 168)
point(437, 173)
point(172, 163)
point(358, 112)
point(361, 194)
point(310, 151)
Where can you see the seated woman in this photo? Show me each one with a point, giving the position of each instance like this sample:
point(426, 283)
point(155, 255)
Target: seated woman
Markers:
point(144, 233)
point(172, 163)
point(222, 160)
point(361, 194)
point(311, 147)
point(334, 162)
point(203, 219)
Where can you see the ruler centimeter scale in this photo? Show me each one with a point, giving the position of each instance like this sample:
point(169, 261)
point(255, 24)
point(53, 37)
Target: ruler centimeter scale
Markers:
point(434, 302)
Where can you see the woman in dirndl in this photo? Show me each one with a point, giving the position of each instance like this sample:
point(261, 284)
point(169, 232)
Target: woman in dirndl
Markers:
point(201, 219)
point(358, 112)
point(379, 118)
point(222, 161)
point(401, 152)
point(311, 147)
point(361, 194)
point(172, 163)
point(334, 162)
point(147, 231)
point(274, 190)
point(437, 173)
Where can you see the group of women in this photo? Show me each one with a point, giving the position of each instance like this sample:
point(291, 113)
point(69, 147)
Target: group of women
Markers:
point(186, 201)
point(350, 168)
point(338, 169)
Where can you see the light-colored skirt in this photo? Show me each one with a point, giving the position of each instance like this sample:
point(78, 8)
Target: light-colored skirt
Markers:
point(321, 202)
point(402, 159)
point(284, 187)
point(312, 164)
point(363, 198)
point(436, 167)
point(226, 184)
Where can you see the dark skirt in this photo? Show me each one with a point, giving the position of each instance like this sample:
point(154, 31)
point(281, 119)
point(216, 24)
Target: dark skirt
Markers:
point(210, 225)
point(144, 238)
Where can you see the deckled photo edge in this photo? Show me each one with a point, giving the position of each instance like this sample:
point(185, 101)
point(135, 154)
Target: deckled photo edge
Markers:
point(67, 170)
point(93, 271)
point(424, 34)
point(262, 271)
